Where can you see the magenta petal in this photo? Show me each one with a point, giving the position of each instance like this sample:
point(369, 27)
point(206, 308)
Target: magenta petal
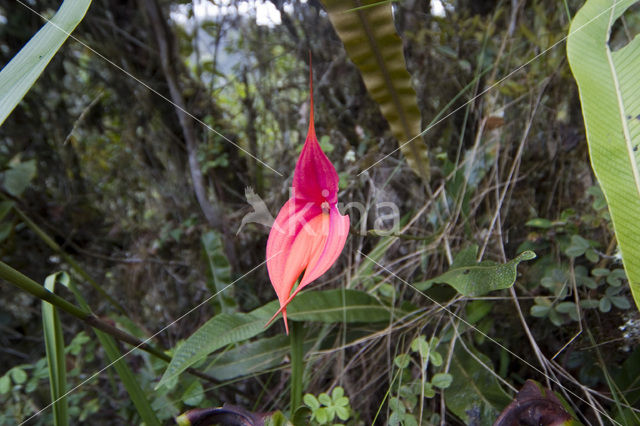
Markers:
point(315, 178)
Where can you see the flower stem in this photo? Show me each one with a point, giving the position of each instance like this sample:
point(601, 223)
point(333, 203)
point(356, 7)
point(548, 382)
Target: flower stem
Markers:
point(296, 336)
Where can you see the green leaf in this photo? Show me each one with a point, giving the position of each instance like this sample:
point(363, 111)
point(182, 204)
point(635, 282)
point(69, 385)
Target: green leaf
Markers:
point(370, 39)
point(224, 329)
point(478, 279)
point(577, 247)
point(129, 380)
point(478, 309)
point(589, 303)
point(343, 413)
point(620, 302)
point(420, 344)
point(324, 399)
point(321, 415)
point(5, 384)
point(608, 84)
point(605, 305)
point(17, 77)
point(311, 401)
point(18, 375)
point(475, 395)
point(220, 270)
point(254, 357)
point(616, 277)
point(402, 361)
point(19, 176)
point(331, 306)
point(600, 272)
point(435, 358)
point(54, 347)
point(442, 380)
point(540, 311)
point(194, 394)
point(337, 394)
point(428, 390)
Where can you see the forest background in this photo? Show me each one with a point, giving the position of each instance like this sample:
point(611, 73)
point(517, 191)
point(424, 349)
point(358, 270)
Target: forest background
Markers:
point(104, 178)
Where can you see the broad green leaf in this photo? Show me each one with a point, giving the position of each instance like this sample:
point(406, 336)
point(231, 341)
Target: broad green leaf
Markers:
point(54, 347)
point(225, 329)
point(609, 86)
point(627, 377)
point(329, 306)
point(475, 395)
point(17, 77)
point(370, 39)
point(476, 279)
point(251, 358)
point(129, 380)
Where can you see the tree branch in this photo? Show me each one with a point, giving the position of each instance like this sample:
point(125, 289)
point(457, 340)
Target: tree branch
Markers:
point(168, 60)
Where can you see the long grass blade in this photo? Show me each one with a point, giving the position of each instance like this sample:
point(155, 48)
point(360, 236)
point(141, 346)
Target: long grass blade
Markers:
point(24, 69)
point(54, 346)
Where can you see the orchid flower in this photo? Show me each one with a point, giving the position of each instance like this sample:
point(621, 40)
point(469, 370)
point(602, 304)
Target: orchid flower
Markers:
point(309, 232)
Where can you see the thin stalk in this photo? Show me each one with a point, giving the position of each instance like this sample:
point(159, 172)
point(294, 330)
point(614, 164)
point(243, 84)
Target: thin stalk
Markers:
point(67, 258)
point(25, 283)
point(296, 336)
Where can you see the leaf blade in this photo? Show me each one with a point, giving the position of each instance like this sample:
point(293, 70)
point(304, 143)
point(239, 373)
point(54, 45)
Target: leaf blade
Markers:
point(225, 329)
point(368, 33)
point(479, 279)
point(17, 77)
point(54, 348)
point(608, 86)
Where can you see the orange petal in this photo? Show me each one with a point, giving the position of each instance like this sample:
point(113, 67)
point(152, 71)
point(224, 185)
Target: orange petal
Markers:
point(331, 231)
point(299, 231)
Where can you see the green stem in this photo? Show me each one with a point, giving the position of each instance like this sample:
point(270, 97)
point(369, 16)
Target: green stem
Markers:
point(296, 337)
point(70, 260)
point(25, 283)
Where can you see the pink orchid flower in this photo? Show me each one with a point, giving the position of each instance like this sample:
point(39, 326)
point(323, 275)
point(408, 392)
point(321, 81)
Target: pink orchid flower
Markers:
point(309, 233)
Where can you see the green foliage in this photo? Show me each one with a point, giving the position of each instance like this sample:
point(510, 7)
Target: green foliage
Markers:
point(21, 386)
point(598, 287)
point(220, 271)
point(383, 69)
point(129, 380)
point(225, 329)
point(18, 175)
point(410, 390)
point(17, 77)
point(470, 278)
point(54, 344)
point(608, 86)
point(98, 161)
point(475, 395)
point(325, 408)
